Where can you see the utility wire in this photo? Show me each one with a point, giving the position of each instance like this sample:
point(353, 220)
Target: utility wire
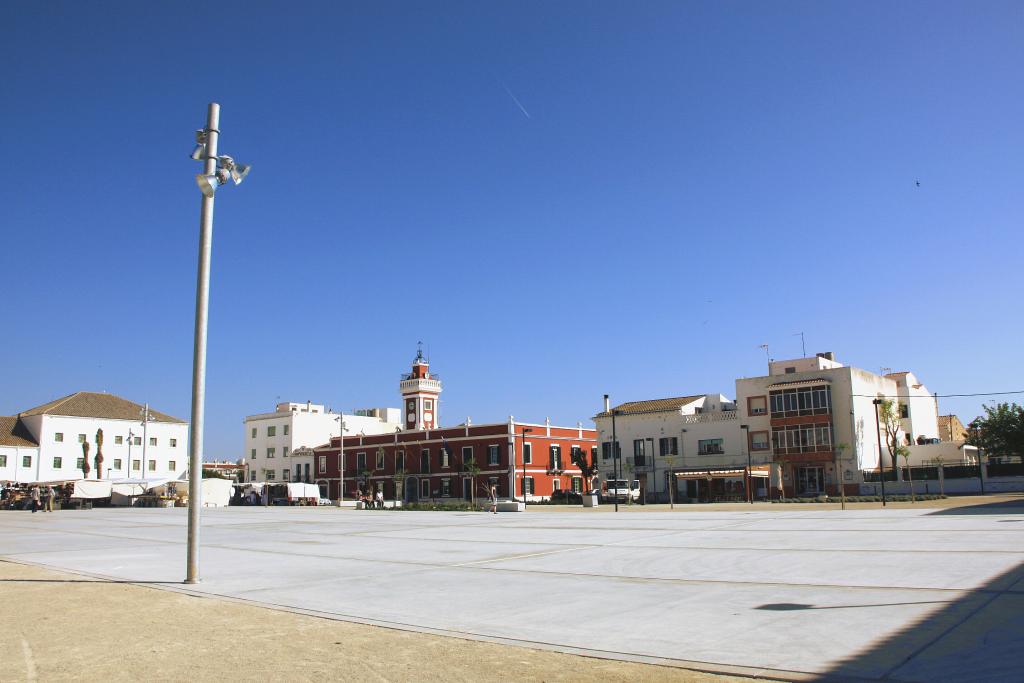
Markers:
point(933, 396)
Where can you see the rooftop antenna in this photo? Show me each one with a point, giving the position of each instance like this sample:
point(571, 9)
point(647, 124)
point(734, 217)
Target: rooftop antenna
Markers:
point(884, 371)
point(803, 345)
point(765, 347)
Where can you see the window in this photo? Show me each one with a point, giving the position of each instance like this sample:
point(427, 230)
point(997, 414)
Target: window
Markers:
point(323, 464)
point(58, 437)
point(668, 445)
point(360, 461)
point(791, 371)
point(252, 476)
point(802, 401)
point(79, 463)
point(758, 441)
point(286, 474)
point(270, 475)
point(555, 457)
point(904, 411)
point(802, 439)
point(756, 405)
point(26, 461)
point(528, 484)
point(152, 441)
point(556, 485)
point(173, 443)
point(137, 441)
point(298, 472)
point(710, 447)
point(639, 452)
point(118, 440)
point(81, 438)
point(252, 454)
point(425, 464)
point(57, 462)
point(577, 484)
point(284, 452)
point(425, 488)
point(271, 452)
point(285, 429)
point(493, 455)
point(606, 450)
point(3, 461)
point(428, 404)
point(380, 459)
point(136, 465)
point(272, 431)
point(467, 455)
point(446, 487)
point(400, 460)
point(254, 432)
point(172, 465)
point(117, 463)
point(528, 453)
point(444, 457)
point(152, 465)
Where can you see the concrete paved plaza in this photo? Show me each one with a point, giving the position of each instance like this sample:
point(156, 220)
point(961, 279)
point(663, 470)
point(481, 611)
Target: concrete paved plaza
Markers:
point(906, 594)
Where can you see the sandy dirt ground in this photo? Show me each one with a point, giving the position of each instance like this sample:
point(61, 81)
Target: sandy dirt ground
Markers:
point(68, 627)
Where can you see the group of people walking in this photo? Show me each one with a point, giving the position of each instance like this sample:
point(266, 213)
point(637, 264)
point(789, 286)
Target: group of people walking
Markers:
point(42, 498)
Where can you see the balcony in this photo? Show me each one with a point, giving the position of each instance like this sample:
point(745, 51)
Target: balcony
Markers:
point(705, 418)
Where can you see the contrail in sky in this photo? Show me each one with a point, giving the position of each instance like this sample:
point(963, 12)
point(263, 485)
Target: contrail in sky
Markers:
point(516, 100)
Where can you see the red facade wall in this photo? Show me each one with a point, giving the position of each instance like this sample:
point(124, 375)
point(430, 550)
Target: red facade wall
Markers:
point(434, 469)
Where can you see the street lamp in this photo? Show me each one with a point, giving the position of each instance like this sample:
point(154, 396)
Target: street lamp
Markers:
point(341, 458)
point(878, 432)
point(128, 464)
point(616, 465)
point(526, 430)
point(839, 474)
point(746, 446)
point(977, 443)
point(216, 172)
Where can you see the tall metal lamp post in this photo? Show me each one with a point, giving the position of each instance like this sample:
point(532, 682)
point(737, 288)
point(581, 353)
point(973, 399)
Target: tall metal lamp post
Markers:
point(217, 170)
point(878, 432)
point(746, 446)
point(616, 465)
point(341, 457)
point(977, 442)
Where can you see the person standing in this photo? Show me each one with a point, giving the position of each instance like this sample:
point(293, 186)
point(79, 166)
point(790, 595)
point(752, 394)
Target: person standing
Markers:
point(34, 493)
point(47, 495)
point(494, 499)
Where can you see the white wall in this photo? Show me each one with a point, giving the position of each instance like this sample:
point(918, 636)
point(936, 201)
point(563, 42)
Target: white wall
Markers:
point(170, 461)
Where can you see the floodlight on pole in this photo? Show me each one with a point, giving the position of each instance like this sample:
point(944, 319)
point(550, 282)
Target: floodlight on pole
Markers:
point(208, 181)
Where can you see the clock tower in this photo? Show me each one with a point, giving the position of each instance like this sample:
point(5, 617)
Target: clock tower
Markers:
point(420, 390)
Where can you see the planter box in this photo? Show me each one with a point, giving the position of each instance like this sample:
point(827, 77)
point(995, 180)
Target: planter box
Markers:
point(590, 500)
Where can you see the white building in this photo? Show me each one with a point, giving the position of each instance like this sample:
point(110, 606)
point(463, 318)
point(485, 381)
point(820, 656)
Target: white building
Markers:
point(820, 418)
point(279, 445)
point(46, 443)
point(673, 441)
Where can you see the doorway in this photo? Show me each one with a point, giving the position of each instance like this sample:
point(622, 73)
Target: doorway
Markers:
point(810, 480)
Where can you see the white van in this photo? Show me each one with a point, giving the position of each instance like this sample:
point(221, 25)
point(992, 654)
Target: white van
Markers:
point(621, 490)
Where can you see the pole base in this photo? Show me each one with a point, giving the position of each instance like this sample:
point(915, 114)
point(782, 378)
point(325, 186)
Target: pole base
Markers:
point(190, 581)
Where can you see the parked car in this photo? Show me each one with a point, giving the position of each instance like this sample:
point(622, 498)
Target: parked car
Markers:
point(324, 501)
point(621, 490)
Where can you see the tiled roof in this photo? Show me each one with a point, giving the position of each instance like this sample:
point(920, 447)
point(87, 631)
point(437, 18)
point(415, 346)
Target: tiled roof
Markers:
point(14, 433)
point(658, 405)
point(794, 382)
point(91, 404)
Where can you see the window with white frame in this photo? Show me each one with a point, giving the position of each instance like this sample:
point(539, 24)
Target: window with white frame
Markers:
point(577, 484)
point(400, 460)
point(173, 443)
point(286, 474)
point(757, 405)
point(668, 445)
point(270, 475)
point(3, 461)
point(152, 441)
point(152, 465)
point(117, 463)
point(81, 438)
point(137, 441)
point(254, 432)
point(528, 453)
point(285, 429)
point(252, 454)
point(323, 464)
point(425, 461)
point(272, 430)
point(467, 455)
point(493, 454)
point(555, 457)
point(425, 488)
point(759, 441)
point(446, 487)
point(271, 452)
point(575, 452)
point(79, 463)
point(58, 437)
point(379, 464)
point(528, 484)
point(57, 462)
point(284, 452)
point(172, 465)
point(444, 457)
point(136, 465)
point(26, 461)
point(556, 485)
point(118, 440)
point(360, 461)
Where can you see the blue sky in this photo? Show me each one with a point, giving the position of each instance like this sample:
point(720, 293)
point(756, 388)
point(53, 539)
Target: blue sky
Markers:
point(561, 200)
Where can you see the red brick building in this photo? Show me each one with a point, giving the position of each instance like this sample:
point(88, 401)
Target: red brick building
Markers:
point(435, 463)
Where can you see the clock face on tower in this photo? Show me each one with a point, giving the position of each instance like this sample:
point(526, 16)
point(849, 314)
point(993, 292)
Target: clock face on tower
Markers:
point(411, 417)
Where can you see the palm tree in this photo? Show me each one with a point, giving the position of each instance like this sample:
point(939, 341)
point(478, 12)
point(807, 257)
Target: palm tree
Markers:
point(906, 463)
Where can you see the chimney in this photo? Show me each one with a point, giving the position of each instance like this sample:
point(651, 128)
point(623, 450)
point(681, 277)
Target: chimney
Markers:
point(607, 406)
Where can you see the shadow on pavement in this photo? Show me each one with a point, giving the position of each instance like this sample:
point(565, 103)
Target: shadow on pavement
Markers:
point(140, 583)
point(1003, 507)
point(978, 637)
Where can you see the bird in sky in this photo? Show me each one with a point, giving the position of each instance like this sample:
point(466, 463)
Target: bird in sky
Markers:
point(917, 183)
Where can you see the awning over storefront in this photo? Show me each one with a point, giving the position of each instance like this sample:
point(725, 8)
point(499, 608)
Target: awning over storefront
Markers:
point(761, 471)
point(719, 473)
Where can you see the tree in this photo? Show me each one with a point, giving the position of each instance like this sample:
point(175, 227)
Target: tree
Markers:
point(471, 468)
point(1000, 431)
point(906, 463)
point(889, 413)
point(587, 466)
